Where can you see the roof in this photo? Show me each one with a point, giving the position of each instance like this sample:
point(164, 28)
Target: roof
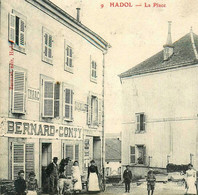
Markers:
point(184, 54)
point(112, 150)
point(64, 18)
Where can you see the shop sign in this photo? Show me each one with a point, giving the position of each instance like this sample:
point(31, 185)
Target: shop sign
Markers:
point(33, 94)
point(38, 129)
point(80, 106)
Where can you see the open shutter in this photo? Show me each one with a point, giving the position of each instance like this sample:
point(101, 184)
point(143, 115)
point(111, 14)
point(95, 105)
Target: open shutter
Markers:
point(22, 38)
point(67, 103)
point(132, 154)
point(89, 110)
point(138, 122)
point(56, 100)
point(144, 155)
point(48, 99)
point(12, 27)
point(72, 96)
point(18, 159)
point(77, 152)
point(18, 104)
point(99, 111)
point(29, 158)
point(144, 122)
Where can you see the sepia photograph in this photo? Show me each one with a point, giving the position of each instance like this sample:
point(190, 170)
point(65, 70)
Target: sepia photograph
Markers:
point(98, 97)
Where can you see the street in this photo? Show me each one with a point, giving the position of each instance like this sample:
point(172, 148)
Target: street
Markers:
point(161, 189)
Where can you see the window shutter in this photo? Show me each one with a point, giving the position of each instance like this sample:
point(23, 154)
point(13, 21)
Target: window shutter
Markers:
point(56, 100)
point(89, 110)
point(67, 103)
point(50, 47)
point(72, 96)
point(69, 153)
point(22, 38)
point(77, 152)
point(11, 28)
point(144, 122)
point(99, 111)
point(132, 154)
point(18, 159)
point(18, 105)
point(29, 158)
point(144, 154)
point(138, 122)
point(96, 111)
point(48, 99)
point(45, 49)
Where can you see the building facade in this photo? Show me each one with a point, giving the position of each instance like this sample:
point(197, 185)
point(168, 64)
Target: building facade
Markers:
point(160, 107)
point(52, 88)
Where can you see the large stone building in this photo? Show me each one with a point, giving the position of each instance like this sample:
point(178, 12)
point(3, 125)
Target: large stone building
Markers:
point(160, 107)
point(52, 88)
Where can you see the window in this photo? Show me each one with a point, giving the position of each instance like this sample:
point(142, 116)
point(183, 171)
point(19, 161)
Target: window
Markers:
point(94, 110)
point(68, 104)
point(57, 100)
point(22, 158)
point(19, 92)
point(132, 154)
point(68, 58)
point(141, 154)
point(93, 71)
point(71, 151)
point(48, 98)
point(17, 30)
point(140, 122)
point(47, 46)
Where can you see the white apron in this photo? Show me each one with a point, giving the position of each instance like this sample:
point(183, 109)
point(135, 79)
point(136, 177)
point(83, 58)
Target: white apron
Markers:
point(93, 182)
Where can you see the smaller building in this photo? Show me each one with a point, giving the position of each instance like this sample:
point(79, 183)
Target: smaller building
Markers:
point(113, 156)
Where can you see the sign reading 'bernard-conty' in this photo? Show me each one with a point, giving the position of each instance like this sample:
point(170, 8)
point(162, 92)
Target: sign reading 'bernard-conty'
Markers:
point(38, 129)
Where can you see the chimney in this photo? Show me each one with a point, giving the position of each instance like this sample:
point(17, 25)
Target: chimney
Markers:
point(78, 14)
point(168, 47)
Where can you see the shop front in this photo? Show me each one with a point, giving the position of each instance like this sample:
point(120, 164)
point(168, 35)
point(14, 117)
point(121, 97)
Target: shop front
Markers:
point(30, 146)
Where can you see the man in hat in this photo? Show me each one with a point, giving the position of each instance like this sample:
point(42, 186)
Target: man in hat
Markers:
point(52, 172)
point(127, 175)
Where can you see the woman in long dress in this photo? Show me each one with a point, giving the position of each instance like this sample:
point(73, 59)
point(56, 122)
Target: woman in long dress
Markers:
point(191, 180)
point(93, 183)
point(76, 177)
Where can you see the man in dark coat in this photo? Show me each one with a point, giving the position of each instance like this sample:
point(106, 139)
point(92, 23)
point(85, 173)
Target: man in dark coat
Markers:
point(127, 175)
point(52, 172)
point(20, 184)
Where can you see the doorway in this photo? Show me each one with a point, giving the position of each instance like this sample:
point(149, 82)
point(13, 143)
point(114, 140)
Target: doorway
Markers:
point(46, 159)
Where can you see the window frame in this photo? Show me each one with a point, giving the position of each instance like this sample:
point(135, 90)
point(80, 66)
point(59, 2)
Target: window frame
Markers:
point(22, 20)
point(67, 45)
point(45, 58)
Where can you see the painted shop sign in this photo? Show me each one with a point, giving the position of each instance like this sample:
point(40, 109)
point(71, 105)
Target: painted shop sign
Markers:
point(33, 94)
point(80, 106)
point(25, 128)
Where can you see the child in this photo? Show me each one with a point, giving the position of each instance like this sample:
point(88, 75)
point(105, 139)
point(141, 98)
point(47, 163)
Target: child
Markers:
point(76, 177)
point(127, 175)
point(32, 185)
point(150, 182)
point(20, 184)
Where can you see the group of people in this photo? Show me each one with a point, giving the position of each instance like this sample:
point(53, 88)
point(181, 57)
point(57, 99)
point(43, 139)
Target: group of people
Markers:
point(190, 180)
point(29, 187)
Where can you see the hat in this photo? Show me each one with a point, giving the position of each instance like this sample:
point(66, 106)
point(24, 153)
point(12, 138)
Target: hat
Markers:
point(55, 158)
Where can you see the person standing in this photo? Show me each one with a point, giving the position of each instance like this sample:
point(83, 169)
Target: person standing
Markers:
point(32, 185)
point(76, 177)
point(52, 172)
point(191, 180)
point(92, 178)
point(20, 184)
point(127, 176)
point(150, 181)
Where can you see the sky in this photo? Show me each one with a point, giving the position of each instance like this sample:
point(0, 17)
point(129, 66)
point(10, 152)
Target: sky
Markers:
point(135, 34)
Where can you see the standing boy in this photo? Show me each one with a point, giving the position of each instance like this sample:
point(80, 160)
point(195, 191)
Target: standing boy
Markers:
point(127, 175)
point(150, 182)
point(20, 184)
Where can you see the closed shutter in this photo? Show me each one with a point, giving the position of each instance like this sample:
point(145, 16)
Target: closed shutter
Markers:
point(96, 118)
point(132, 154)
point(56, 100)
point(29, 158)
point(99, 111)
point(22, 27)
point(18, 159)
point(89, 110)
point(12, 28)
point(77, 152)
point(68, 106)
point(18, 105)
point(50, 47)
point(69, 150)
point(48, 99)
point(138, 122)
